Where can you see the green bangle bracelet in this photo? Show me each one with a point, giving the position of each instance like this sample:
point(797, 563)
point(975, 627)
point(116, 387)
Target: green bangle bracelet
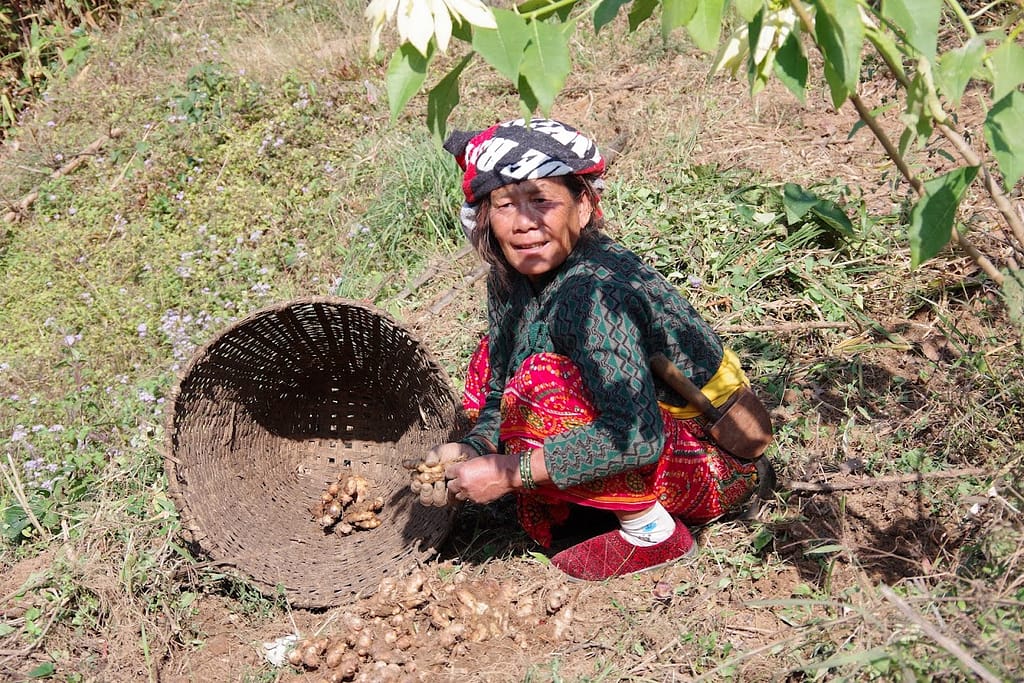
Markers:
point(525, 473)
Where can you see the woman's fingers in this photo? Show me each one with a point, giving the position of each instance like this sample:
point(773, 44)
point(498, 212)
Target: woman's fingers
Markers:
point(440, 494)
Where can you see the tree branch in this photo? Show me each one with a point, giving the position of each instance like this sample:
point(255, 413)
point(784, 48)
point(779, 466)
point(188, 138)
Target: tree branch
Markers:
point(868, 482)
point(944, 641)
point(890, 151)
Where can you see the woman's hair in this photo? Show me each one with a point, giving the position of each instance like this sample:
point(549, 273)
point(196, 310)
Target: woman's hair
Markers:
point(487, 246)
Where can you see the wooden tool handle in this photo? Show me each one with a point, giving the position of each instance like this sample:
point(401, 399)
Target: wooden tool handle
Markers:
point(667, 371)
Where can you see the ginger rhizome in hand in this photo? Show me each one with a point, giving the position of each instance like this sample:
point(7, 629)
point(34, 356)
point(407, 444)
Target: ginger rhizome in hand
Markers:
point(428, 482)
point(346, 505)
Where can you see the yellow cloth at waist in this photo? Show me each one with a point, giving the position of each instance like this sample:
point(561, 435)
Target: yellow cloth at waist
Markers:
point(720, 387)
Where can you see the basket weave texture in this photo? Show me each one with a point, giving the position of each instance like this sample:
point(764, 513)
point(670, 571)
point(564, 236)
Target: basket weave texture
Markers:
point(270, 411)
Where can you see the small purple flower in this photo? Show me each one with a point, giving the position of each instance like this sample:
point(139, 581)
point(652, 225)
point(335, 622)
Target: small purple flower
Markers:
point(694, 282)
point(19, 433)
point(142, 329)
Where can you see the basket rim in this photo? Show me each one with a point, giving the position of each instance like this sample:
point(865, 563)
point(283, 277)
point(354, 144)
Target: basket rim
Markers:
point(201, 351)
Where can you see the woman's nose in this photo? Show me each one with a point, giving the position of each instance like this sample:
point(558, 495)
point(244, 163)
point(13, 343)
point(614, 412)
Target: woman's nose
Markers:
point(526, 217)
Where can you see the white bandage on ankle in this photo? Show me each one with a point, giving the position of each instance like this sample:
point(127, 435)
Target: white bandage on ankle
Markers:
point(650, 528)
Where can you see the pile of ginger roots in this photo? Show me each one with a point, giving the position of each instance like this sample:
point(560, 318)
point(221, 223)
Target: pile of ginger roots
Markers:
point(413, 626)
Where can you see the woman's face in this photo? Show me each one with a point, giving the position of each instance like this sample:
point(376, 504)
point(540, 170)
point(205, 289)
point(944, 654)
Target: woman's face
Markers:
point(537, 223)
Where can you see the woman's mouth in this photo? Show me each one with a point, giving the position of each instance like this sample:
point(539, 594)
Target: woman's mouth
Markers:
point(530, 247)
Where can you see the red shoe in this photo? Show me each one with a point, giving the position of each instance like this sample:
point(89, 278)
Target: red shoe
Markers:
point(608, 555)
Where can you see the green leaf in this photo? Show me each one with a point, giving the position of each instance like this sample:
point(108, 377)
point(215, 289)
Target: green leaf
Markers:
point(1003, 126)
point(546, 63)
point(748, 8)
point(641, 12)
point(675, 13)
point(861, 659)
point(463, 31)
point(886, 46)
point(931, 218)
point(757, 75)
point(44, 670)
point(956, 67)
point(919, 20)
point(528, 103)
point(15, 523)
point(791, 66)
point(540, 557)
point(916, 115)
point(606, 13)
point(706, 24)
point(840, 35)
point(832, 215)
point(825, 549)
point(503, 47)
point(443, 98)
point(406, 73)
point(1007, 68)
point(797, 201)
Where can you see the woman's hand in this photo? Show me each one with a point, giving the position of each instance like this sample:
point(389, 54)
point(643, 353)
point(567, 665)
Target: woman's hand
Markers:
point(483, 479)
point(427, 474)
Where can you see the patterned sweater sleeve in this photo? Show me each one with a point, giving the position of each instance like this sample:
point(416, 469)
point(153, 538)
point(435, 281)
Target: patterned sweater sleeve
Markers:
point(600, 324)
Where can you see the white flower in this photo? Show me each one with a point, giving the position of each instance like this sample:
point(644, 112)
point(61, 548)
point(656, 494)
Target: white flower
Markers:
point(420, 20)
point(775, 28)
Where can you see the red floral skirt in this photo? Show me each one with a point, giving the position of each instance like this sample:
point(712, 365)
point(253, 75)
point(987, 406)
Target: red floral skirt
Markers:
point(693, 479)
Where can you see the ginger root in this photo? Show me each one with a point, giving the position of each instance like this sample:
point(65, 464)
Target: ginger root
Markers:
point(425, 474)
point(346, 505)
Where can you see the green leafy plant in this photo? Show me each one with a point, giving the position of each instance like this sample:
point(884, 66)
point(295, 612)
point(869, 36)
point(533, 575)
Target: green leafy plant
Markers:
point(931, 48)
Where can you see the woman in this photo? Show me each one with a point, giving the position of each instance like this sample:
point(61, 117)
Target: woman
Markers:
point(567, 409)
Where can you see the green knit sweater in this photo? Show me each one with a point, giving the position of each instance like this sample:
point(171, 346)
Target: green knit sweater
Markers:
point(608, 312)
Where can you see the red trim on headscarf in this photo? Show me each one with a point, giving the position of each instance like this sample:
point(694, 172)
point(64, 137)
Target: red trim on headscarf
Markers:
point(470, 169)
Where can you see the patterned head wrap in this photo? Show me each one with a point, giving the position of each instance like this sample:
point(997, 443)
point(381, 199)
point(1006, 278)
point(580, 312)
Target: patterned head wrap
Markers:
point(513, 151)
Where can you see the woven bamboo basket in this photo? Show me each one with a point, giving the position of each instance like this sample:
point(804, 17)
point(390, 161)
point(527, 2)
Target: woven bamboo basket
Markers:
point(267, 414)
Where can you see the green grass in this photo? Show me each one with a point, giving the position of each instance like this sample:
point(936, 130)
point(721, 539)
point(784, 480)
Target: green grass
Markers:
point(252, 172)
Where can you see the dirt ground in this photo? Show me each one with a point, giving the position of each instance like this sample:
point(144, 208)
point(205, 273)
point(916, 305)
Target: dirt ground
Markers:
point(489, 610)
point(519, 615)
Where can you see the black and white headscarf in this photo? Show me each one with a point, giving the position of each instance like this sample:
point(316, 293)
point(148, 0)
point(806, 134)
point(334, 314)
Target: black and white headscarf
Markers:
point(516, 150)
